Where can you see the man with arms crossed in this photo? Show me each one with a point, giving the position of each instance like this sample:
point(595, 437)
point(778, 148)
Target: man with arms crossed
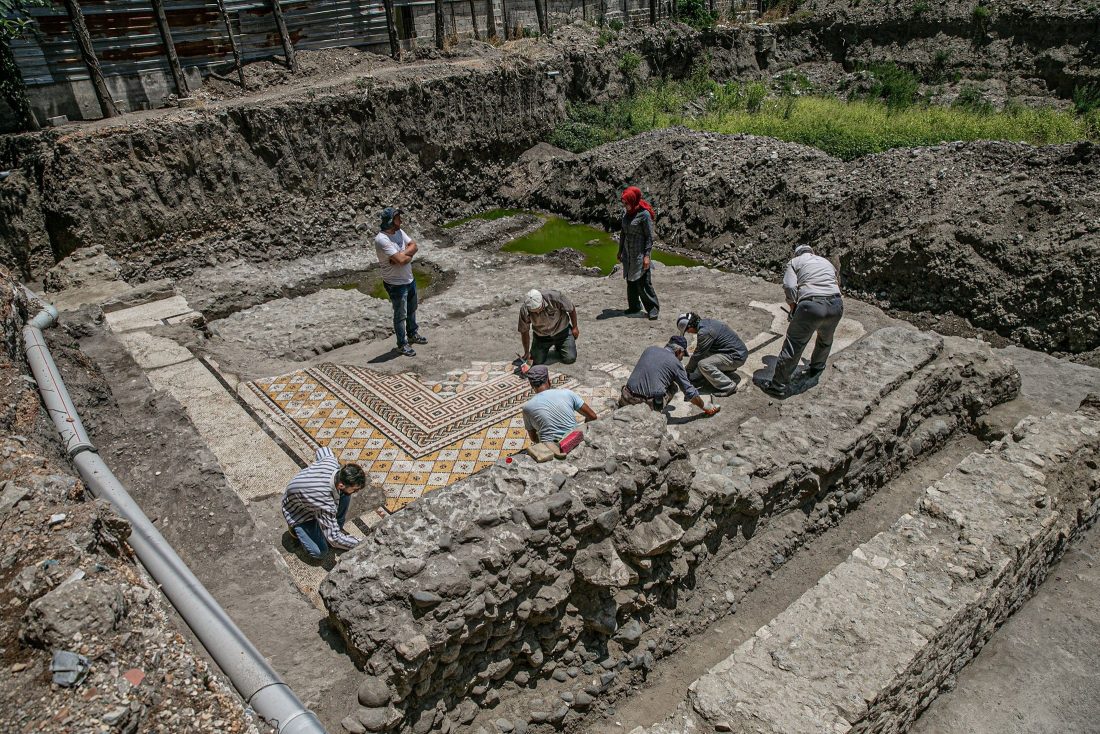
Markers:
point(395, 251)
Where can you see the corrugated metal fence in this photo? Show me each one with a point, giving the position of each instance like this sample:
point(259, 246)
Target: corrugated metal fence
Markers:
point(126, 40)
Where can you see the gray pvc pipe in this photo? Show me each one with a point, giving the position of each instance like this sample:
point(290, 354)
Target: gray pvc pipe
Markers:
point(259, 685)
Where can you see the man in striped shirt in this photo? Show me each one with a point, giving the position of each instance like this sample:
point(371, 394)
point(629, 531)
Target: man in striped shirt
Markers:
point(316, 502)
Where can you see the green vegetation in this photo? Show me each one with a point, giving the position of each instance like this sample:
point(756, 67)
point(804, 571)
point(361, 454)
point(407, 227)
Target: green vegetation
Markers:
point(598, 247)
point(846, 129)
point(1086, 98)
point(490, 216)
point(694, 13)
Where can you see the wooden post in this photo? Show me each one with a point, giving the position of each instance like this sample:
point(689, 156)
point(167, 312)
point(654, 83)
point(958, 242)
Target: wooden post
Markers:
point(653, 12)
point(540, 13)
point(84, 40)
point(391, 30)
point(454, 25)
point(490, 20)
point(439, 31)
point(473, 20)
point(506, 17)
point(284, 36)
point(232, 42)
point(169, 47)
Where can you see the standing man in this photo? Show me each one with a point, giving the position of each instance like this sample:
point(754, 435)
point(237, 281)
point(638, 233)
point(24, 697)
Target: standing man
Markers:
point(658, 374)
point(718, 352)
point(813, 297)
point(552, 413)
point(553, 318)
point(315, 504)
point(395, 254)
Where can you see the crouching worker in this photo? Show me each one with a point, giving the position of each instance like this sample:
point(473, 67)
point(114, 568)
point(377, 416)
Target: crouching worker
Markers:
point(315, 504)
point(719, 352)
point(552, 413)
point(657, 376)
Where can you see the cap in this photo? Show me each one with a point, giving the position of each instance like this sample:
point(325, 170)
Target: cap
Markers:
point(538, 375)
point(533, 300)
point(678, 342)
point(388, 215)
point(686, 320)
point(799, 249)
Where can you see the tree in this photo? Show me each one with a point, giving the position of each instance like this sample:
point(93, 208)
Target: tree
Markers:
point(439, 24)
point(15, 23)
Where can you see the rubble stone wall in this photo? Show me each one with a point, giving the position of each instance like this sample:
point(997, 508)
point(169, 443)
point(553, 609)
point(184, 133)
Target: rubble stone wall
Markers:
point(871, 645)
point(526, 569)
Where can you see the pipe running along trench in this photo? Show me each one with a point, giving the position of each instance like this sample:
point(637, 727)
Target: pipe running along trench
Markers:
point(259, 685)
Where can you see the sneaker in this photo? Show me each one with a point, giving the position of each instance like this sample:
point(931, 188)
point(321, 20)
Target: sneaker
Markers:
point(632, 311)
point(777, 391)
point(811, 372)
point(654, 315)
point(406, 350)
point(417, 339)
point(725, 393)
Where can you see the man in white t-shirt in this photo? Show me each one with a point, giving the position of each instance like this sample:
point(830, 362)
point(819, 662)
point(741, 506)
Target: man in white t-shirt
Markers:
point(395, 254)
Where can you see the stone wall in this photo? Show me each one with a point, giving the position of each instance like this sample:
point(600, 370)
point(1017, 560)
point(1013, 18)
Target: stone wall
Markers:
point(872, 644)
point(525, 569)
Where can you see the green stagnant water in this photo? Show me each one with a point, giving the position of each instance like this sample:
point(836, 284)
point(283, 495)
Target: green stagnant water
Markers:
point(370, 283)
point(598, 247)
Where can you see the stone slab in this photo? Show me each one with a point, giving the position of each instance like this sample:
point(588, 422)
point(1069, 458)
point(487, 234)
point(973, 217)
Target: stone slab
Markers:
point(148, 315)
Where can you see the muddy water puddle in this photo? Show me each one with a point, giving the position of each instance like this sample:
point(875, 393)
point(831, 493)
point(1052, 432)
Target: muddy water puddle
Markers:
point(428, 282)
point(598, 247)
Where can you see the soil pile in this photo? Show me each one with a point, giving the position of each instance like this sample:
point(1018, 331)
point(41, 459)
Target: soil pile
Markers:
point(69, 583)
point(1006, 235)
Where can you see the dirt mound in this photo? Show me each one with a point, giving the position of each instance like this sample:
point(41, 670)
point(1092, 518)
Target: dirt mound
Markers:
point(1006, 235)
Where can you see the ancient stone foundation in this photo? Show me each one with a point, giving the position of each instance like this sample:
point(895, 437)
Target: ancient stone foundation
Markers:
point(526, 568)
point(870, 646)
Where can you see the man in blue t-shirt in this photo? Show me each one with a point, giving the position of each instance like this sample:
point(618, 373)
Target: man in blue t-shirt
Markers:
point(552, 413)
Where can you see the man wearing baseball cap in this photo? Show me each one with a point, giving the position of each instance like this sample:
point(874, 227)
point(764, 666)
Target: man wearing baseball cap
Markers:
point(812, 288)
point(395, 251)
point(553, 319)
point(719, 352)
point(657, 376)
point(552, 413)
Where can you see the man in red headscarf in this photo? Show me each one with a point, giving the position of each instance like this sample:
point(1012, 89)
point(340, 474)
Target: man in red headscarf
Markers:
point(635, 251)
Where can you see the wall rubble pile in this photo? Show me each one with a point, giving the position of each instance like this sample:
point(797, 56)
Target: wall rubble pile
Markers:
point(870, 646)
point(525, 568)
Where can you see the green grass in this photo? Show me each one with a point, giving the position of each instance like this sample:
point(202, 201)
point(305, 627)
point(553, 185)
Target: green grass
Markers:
point(846, 129)
point(598, 247)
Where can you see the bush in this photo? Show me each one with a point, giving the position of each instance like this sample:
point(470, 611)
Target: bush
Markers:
point(615, 24)
point(920, 8)
point(1086, 98)
point(754, 95)
point(629, 63)
point(979, 16)
point(972, 100)
point(897, 86)
point(937, 72)
point(695, 14)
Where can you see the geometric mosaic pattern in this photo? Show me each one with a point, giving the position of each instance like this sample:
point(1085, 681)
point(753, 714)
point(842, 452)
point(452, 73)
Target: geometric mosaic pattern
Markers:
point(410, 437)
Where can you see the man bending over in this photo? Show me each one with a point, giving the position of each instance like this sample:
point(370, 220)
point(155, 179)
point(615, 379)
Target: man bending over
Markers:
point(315, 504)
point(552, 413)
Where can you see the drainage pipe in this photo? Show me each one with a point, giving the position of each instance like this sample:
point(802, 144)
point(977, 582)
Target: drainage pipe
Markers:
point(259, 685)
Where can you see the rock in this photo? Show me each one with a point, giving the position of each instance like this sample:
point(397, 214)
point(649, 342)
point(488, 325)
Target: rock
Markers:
point(425, 599)
point(600, 565)
point(374, 692)
point(503, 725)
point(630, 632)
point(352, 725)
point(378, 718)
point(649, 538)
point(582, 701)
point(412, 648)
point(78, 607)
point(560, 675)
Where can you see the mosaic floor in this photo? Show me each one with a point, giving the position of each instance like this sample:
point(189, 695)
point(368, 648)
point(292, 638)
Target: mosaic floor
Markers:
point(410, 437)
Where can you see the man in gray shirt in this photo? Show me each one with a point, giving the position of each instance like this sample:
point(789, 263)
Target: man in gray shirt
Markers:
point(553, 319)
point(719, 352)
point(812, 289)
point(657, 376)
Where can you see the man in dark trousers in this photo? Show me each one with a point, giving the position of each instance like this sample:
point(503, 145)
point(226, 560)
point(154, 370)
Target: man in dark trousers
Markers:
point(719, 352)
point(553, 319)
point(812, 289)
point(657, 376)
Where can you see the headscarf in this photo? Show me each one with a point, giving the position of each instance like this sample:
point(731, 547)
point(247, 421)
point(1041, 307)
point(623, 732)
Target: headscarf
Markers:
point(632, 198)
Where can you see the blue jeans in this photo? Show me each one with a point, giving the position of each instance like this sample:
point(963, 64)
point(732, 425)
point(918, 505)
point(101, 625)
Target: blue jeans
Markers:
point(403, 298)
point(309, 533)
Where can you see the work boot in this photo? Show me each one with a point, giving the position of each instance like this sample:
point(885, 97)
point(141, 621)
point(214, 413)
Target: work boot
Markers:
point(406, 350)
point(811, 372)
point(654, 315)
point(776, 391)
point(417, 339)
point(725, 393)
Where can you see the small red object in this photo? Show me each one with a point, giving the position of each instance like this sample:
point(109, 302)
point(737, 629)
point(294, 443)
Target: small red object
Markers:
point(508, 460)
point(135, 676)
point(570, 442)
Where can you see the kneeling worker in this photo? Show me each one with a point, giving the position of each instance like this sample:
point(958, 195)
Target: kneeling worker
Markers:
point(658, 374)
point(718, 352)
point(553, 318)
point(552, 413)
point(315, 504)
point(813, 295)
